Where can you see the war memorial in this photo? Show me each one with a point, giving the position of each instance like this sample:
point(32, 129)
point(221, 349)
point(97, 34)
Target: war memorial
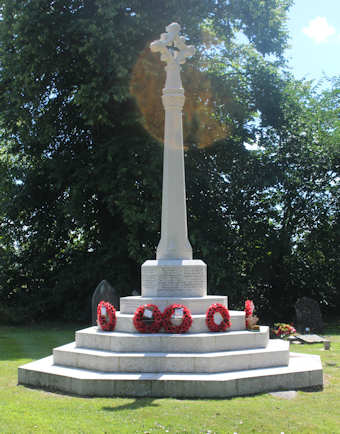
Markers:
point(174, 340)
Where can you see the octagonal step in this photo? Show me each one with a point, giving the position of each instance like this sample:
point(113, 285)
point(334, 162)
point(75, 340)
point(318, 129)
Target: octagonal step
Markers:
point(94, 338)
point(197, 305)
point(303, 371)
point(125, 322)
point(275, 354)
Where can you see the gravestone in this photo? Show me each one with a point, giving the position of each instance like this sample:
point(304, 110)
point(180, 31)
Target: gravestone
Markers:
point(308, 315)
point(106, 292)
point(311, 339)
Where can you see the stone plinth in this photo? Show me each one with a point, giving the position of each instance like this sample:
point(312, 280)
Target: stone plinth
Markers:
point(174, 277)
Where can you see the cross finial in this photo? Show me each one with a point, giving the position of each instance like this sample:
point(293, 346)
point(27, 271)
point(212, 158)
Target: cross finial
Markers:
point(169, 39)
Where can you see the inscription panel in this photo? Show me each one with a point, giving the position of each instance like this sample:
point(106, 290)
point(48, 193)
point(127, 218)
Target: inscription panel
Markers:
point(171, 280)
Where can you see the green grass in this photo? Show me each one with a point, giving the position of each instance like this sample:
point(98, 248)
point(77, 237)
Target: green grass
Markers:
point(25, 410)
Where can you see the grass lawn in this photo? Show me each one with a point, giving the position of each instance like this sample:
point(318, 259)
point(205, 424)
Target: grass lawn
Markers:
point(24, 410)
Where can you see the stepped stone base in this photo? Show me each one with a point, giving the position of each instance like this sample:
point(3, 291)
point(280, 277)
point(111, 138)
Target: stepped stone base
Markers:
point(197, 364)
point(302, 372)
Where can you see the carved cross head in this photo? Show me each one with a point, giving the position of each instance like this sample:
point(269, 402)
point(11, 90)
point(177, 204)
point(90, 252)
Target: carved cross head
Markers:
point(172, 46)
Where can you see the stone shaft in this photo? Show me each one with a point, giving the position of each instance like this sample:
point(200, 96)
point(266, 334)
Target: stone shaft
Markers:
point(174, 243)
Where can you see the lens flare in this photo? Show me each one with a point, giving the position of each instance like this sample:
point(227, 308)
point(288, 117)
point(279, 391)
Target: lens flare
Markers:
point(201, 126)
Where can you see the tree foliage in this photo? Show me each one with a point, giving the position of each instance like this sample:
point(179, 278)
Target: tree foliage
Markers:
point(81, 157)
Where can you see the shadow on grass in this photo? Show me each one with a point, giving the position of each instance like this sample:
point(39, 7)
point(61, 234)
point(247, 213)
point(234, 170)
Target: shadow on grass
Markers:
point(135, 405)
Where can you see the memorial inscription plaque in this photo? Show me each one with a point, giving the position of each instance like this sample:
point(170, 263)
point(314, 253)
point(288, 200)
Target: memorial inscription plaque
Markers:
point(174, 278)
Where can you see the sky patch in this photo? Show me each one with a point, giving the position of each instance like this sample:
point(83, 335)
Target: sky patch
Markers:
point(319, 30)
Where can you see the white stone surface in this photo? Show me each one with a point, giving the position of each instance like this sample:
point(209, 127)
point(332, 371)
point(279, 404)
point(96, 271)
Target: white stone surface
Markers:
point(275, 354)
point(125, 322)
point(182, 278)
point(197, 305)
point(303, 372)
point(94, 338)
point(174, 243)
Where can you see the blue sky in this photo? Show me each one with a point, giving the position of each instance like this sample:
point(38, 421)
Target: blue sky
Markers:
point(314, 28)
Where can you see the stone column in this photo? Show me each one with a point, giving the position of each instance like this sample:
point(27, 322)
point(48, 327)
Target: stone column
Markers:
point(174, 273)
point(174, 243)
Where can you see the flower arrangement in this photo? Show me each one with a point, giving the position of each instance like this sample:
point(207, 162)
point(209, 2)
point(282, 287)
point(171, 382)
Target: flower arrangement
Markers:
point(177, 312)
point(251, 320)
point(283, 330)
point(148, 319)
point(210, 319)
point(106, 316)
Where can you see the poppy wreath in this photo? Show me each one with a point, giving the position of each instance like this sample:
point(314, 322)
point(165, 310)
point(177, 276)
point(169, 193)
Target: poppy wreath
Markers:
point(106, 322)
point(249, 309)
point(185, 325)
point(210, 318)
point(148, 325)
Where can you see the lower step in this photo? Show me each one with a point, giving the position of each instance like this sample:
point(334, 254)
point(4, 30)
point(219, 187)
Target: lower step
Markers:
point(303, 372)
point(275, 354)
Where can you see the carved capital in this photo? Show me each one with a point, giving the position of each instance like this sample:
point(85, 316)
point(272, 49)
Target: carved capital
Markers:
point(173, 101)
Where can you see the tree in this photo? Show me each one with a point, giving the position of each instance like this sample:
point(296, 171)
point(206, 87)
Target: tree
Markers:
point(299, 207)
point(81, 198)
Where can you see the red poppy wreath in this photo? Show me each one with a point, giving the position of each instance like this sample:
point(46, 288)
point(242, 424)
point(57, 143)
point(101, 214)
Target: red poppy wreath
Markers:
point(250, 318)
point(106, 316)
point(249, 308)
point(175, 312)
point(224, 316)
point(148, 319)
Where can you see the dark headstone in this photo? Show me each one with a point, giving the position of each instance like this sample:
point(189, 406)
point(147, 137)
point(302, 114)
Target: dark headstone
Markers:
point(308, 316)
point(105, 292)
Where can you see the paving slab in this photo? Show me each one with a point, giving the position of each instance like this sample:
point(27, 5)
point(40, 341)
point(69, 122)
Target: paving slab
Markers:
point(288, 394)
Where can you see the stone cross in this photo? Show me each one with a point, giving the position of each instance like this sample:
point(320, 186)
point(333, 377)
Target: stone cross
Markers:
point(174, 243)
